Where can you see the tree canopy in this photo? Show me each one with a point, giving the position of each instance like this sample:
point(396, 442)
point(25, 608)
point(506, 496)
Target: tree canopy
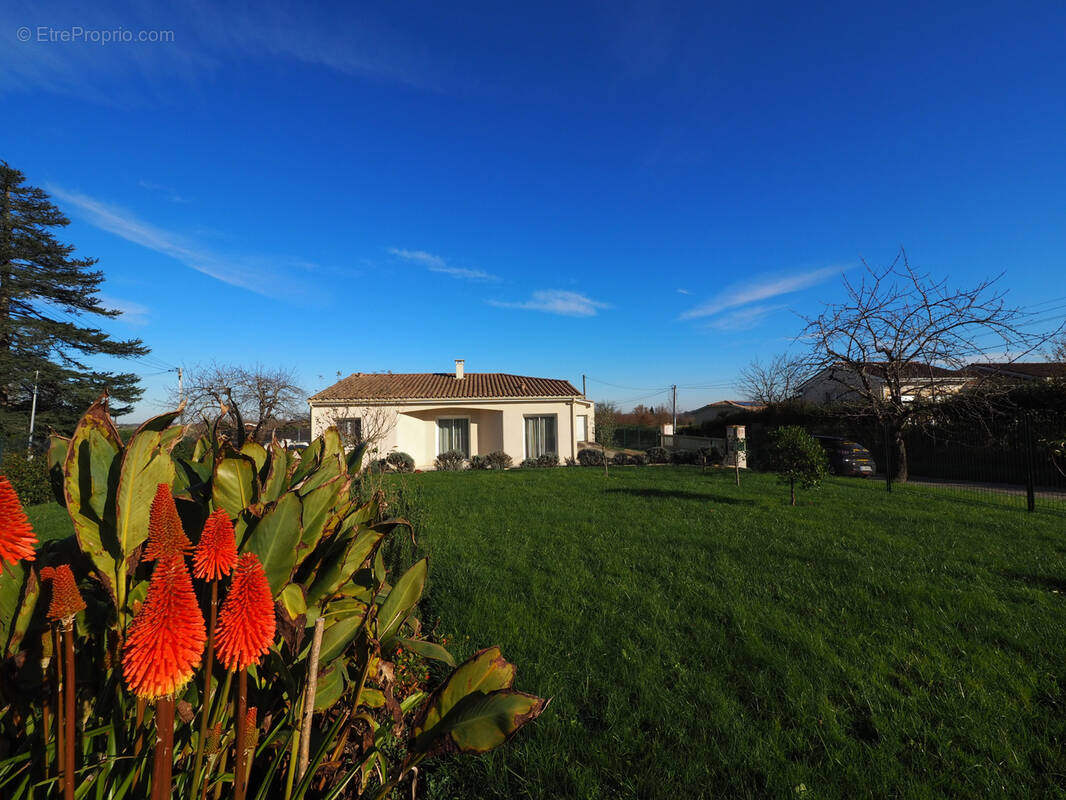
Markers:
point(44, 294)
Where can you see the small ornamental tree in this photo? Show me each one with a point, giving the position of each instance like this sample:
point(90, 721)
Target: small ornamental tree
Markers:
point(797, 457)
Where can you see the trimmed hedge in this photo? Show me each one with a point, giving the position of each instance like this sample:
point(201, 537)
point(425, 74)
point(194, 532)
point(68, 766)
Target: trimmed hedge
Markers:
point(450, 461)
point(29, 477)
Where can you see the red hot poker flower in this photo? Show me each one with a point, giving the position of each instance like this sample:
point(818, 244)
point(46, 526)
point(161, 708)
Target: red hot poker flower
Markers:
point(66, 599)
point(166, 537)
point(246, 622)
point(216, 552)
point(167, 638)
point(17, 540)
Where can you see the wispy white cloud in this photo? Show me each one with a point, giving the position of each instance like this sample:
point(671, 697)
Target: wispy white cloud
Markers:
point(764, 288)
point(683, 291)
point(133, 313)
point(266, 275)
point(166, 191)
point(438, 264)
point(557, 301)
point(743, 319)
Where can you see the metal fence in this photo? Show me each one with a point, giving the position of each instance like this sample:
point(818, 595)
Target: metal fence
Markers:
point(1007, 460)
point(635, 437)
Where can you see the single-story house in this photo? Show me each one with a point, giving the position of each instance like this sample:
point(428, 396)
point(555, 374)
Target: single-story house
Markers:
point(1021, 371)
point(713, 411)
point(426, 414)
point(839, 383)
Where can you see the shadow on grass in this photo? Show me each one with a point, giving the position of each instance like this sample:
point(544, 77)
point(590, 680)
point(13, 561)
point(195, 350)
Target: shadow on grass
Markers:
point(680, 494)
point(1047, 582)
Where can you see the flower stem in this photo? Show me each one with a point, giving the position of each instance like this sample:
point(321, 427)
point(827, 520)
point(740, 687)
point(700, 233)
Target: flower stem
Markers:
point(57, 656)
point(205, 709)
point(240, 771)
point(68, 713)
point(164, 753)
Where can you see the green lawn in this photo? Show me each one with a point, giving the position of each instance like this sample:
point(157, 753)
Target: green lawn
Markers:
point(700, 640)
point(49, 521)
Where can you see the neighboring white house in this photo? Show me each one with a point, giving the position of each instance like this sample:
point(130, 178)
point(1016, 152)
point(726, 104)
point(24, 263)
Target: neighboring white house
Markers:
point(839, 383)
point(425, 414)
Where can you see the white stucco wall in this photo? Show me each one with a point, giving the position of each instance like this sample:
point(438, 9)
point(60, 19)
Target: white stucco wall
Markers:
point(494, 425)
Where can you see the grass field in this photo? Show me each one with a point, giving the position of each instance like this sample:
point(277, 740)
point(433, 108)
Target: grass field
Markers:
point(703, 640)
point(700, 640)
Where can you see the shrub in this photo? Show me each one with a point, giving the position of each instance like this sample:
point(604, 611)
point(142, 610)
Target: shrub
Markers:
point(620, 458)
point(450, 461)
point(797, 457)
point(658, 455)
point(683, 457)
point(570, 461)
point(638, 459)
point(528, 463)
point(400, 462)
point(477, 462)
point(548, 460)
point(28, 476)
point(708, 455)
point(588, 457)
point(497, 459)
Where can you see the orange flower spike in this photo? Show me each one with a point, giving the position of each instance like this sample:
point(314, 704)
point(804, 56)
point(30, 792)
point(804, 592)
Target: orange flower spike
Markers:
point(17, 540)
point(166, 537)
point(216, 552)
point(246, 623)
point(166, 640)
point(66, 599)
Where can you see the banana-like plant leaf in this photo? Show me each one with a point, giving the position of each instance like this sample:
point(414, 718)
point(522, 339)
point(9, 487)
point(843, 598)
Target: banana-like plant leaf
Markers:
point(332, 444)
point(234, 486)
point(57, 455)
point(277, 473)
point(310, 458)
point(355, 458)
point(12, 579)
point(338, 636)
point(401, 601)
point(317, 507)
point(91, 471)
point(146, 463)
point(30, 595)
point(334, 573)
point(275, 539)
point(479, 722)
point(427, 650)
point(371, 697)
point(201, 450)
point(330, 687)
point(330, 468)
point(485, 671)
point(256, 452)
point(292, 598)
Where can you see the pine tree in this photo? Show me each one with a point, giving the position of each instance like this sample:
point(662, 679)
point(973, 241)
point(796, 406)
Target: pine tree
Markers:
point(43, 293)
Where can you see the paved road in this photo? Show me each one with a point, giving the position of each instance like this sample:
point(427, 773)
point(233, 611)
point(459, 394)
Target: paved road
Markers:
point(1055, 495)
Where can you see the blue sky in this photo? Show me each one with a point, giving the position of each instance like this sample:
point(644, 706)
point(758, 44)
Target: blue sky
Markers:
point(645, 193)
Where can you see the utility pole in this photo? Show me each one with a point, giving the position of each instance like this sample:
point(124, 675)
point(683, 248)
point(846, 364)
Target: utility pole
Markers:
point(675, 407)
point(584, 393)
point(181, 393)
point(33, 414)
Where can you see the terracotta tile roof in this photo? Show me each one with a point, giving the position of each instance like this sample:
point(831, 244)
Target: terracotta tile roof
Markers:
point(443, 385)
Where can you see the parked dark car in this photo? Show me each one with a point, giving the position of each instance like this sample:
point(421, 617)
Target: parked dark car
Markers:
point(847, 457)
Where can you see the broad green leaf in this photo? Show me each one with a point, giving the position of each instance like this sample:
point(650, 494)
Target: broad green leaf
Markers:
point(90, 473)
point(355, 458)
point(277, 473)
point(372, 698)
point(12, 579)
point(332, 444)
point(335, 572)
point(58, 446)
point(256, 452)
point(330, 468)
point(330, 687)
point(427, 650)
point(234, 485)
point(146, 463)
point(292, 598)
point(201, 450)
point(310, 458)
point(485, 671)
point(30, 595)
point(317, 508)
point(275, 539)
point(479, 722)
point(338, 636)
point(401, 601)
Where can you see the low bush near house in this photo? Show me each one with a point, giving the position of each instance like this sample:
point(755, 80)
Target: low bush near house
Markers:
point(588, 457)
point(621, 459)
point(400, 462)
point(683, 457)
point(528, 463)
point(548, 460)
point(638, 459)
point(658, 455)
point(498, 459)
point(450, 461)
point(477, 462)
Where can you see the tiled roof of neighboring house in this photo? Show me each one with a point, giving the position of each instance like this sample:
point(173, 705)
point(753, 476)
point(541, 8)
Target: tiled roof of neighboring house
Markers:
point(444, 385)
point(747, 405)
point(1025, 369)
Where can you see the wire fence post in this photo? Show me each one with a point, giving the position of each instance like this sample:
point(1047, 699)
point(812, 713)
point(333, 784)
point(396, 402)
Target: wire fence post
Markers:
point(1030, 487)
point(888, 460)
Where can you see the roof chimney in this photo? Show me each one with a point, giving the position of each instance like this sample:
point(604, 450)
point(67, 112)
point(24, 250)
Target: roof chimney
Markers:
point(459, 369)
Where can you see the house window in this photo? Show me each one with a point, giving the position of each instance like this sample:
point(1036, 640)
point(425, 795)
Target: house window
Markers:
point(351, 429)
point(583, 428)
point(540, 436)
point(453, 434)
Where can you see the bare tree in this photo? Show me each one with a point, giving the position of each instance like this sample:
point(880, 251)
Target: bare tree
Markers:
point(1057, 350)
point(259, 395)
point(901, 337)
point(606, 426)
point(361, 424)
point(774, 382)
